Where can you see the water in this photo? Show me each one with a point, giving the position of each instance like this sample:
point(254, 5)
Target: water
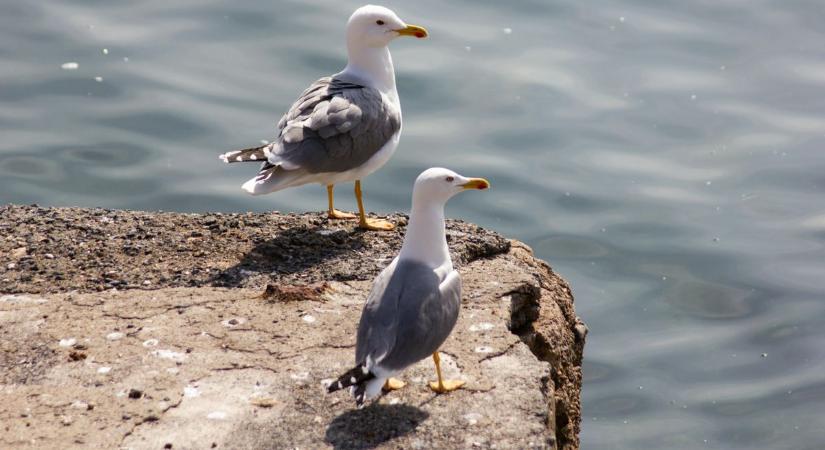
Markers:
point(665, 157)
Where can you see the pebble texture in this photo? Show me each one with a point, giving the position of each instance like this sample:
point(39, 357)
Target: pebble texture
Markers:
point(59, 249)
point(126, 329)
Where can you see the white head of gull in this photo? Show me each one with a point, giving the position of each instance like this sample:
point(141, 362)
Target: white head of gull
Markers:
point(370, 30)
point(426, 240)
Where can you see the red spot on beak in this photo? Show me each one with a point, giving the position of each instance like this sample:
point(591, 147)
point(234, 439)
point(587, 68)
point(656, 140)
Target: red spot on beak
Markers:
point(420, 35)
point(476, 183)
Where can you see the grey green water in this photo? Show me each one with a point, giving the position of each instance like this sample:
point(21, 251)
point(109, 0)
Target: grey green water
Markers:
point(665, 157)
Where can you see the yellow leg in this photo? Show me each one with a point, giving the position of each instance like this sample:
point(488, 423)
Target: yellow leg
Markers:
point(333, 213)
point(365, 223)
point(443, 385)
point(393, 384)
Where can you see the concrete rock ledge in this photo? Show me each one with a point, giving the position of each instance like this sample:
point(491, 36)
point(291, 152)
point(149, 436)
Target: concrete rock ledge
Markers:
point(123, 329)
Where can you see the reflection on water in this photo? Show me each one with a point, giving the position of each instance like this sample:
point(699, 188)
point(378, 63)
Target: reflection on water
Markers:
point(665, 157)
point(708, 300)
point(27, 167)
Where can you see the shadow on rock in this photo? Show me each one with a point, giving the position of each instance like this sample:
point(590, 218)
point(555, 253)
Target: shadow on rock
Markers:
point(291, 251)
point(369, 427)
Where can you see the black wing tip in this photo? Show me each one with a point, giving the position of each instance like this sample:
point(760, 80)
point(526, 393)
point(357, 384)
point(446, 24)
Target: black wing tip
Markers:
point(255, 154)
point(334, 386)
point(360, 394)
point(357, 376)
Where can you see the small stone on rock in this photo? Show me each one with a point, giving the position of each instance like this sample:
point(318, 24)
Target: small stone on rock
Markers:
point(115, 336)
point(235, 321)
point(472, 418)
point(299, 376)
point(263, 401)
point(191, 391)
point(484, 326)
point(216, 415)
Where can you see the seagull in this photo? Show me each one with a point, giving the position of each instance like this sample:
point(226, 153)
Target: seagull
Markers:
point(343, 127)
point(414, 302)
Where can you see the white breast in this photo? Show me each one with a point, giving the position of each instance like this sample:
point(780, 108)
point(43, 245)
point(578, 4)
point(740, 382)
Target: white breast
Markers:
point(375, 162)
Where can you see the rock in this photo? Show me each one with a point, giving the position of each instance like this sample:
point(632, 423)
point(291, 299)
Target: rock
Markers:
point(234, 368)
point(283, 250)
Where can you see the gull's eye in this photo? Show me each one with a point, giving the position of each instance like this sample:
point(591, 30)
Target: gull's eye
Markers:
point(379, 22)
point(450, 179)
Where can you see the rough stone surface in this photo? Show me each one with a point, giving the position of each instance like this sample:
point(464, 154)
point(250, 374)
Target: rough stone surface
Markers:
point(99, 249)
point(125, 329)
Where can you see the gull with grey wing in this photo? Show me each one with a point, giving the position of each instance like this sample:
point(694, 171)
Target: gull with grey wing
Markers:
point(414, 302)
point(344, 127)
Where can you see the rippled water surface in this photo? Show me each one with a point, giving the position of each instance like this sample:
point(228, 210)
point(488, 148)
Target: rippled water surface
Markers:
point(665, 157)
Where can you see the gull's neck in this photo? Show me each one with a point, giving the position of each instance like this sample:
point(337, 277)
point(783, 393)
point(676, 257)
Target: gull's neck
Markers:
point(373, 66)
point(426, 239)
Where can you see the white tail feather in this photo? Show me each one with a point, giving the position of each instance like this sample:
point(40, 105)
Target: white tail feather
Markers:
point(276, 182)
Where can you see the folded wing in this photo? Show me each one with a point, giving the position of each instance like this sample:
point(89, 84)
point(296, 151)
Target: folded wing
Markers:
point(408, 315)
point(334, 126)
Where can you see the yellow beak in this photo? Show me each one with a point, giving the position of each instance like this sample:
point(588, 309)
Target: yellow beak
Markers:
point(476, 183)
point(413, 30)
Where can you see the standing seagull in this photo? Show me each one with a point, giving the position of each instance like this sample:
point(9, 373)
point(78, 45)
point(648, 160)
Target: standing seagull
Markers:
point(343, 127)
point(414, 302)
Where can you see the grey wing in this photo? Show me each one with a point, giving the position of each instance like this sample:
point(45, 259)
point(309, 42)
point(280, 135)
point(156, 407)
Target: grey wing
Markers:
point(426, 322)
point(426, 311)
point(379, 319)
point(334, 126)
